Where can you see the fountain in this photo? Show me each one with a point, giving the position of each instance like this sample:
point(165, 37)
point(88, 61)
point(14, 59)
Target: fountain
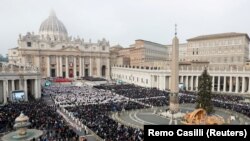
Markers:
point(22, 133)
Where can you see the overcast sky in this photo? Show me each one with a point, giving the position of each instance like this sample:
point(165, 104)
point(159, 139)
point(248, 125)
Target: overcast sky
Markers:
point(123, 21)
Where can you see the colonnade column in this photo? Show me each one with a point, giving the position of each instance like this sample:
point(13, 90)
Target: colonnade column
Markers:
point(237, 84)
point(5, 91)
point(108, 70)
point(218, 84)
point(224, 84)
point(243, 87)
point(83, 67)
point(182, 79)
point(57, 66)
point(36, 89)
point(197, 82)
point(60, 65)
point(48, 66)
point(80, 66)
point(213, 84)
point(192, 83)
point(25, 90)
point(90, 66)
point(75, 67)
point(187, 88)
point(248, 85)
point(67, 67)
point(230, 84)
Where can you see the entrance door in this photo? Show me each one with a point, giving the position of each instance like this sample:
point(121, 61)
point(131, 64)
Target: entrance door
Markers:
point(86, 72)
point(64, 74)
point(103, 71)
point(71, 73)
point(53, 72)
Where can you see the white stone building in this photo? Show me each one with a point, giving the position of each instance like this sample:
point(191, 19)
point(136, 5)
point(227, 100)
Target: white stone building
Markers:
point(219, 49)
point(58, 55)
point(19, 77)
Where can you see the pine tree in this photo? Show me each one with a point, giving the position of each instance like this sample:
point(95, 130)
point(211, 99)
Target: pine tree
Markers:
point(204, 99)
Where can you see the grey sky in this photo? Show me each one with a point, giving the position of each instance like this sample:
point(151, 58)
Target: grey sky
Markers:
point(123, 21)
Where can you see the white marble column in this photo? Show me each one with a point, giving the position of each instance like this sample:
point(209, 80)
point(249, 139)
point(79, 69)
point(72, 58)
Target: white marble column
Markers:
point(230, 84)
point(57, 66)
point(248, 84)
point(108, 70)
point(162, 83)
point(197, 82)
point(39, 88)
point(25, 90)
point(90, 66)
point(218, 84)
point(237, 84)
point(48, 66)
point(83, 67)
point(243, 85)
point(36, 89)
point(5, 91)
point(60, 66)
point(224, 84)
point(212, 83)
point(187, 86)
point(67, 66)
point(80, 66)
point(75, 67)
point(182, 79)
point(13, 85)
point(98, 67)
point(192, 83)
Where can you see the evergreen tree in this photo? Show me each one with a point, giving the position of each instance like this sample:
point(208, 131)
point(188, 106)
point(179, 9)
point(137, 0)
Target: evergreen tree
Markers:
point(204, 99)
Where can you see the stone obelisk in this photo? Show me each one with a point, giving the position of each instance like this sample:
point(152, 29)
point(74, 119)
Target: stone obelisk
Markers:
point(174, 88)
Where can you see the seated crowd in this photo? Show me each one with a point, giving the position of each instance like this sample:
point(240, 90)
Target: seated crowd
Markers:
point(41, 116)
point(74, 95)
point(97, 118)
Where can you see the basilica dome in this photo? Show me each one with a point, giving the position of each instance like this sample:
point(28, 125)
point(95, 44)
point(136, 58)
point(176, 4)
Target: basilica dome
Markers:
point(53, 29)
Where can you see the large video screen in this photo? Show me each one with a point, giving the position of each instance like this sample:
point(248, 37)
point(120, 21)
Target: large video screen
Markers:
point(18, 96)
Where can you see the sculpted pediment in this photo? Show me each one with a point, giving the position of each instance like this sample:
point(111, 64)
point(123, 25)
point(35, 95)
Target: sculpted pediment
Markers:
point(70, 49)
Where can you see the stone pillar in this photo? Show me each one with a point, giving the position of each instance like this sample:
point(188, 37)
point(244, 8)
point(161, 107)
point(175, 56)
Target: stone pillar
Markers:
point(237, 84)
point(213, 84)
point(67, 66)
point(108, 69)
point(98, 67)
point(192, 83)
point(75, 67)
point(218, 84)
point(48, 66)
point(25, 90)
point(230, 84)
point(90, 66)
point(182, 79)
point(57, 66)
point(197, 82)
point(80, 66)
point(243, 85)
point(248, 85)
point(162, 82)
point(5, 91)
point(224, 84)
point(83, 67)
point(60, 66)
point(36, 89)
point(13, 85)
point(39, 88)
point(187, 86)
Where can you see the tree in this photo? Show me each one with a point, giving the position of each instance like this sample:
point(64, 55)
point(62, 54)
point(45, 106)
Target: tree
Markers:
point(204, 99)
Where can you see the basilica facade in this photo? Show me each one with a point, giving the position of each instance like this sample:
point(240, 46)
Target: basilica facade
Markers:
point(58, 55)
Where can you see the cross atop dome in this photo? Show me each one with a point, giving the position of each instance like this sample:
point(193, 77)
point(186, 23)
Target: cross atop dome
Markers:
point(52, 13)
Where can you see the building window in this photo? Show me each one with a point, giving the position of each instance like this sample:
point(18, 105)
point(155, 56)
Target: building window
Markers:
point(28, 44)
point(103, 47)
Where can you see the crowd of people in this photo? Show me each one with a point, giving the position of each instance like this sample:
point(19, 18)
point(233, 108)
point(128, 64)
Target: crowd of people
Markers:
point(41, 116)
point(132, 91)
point(74, 95)
point(97, 118)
